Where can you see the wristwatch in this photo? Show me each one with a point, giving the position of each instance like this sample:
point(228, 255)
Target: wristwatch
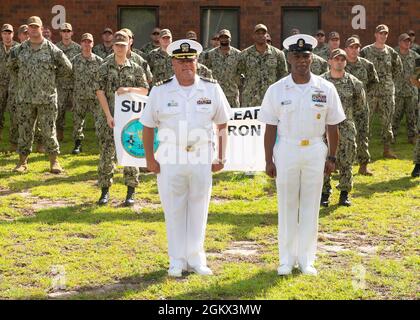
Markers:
point(332, 158)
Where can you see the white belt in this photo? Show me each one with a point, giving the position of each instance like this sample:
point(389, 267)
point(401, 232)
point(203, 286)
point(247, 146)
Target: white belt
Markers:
point(302, 142)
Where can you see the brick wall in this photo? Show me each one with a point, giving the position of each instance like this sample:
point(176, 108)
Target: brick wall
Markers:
point(180, 16)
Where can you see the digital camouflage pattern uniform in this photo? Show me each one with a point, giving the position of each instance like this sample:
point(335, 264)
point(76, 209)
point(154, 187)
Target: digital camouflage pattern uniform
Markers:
point(110, 78)
point(134, 57)
point(101, 51)
point(406, 95)
point(36, 95)
point(85, 74)
point(259, 71)
point(320, 48)
point(148, 47)
point(223, 67)
point(319, 65)
point(323, 52)
point(388, 65)
point(4, 81)
point(65, 85)
point(353, 99)
point(365, 71)
point(161, 65)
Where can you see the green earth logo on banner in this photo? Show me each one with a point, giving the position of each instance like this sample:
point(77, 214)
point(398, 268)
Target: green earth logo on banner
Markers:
point(132, 139)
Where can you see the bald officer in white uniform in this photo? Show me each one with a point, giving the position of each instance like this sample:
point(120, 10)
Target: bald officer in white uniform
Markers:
point(299, 108)
point(184, 108)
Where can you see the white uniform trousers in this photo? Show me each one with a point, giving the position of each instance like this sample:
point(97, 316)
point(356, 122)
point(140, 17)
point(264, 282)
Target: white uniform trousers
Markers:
point(185, 191)
point(300, 171)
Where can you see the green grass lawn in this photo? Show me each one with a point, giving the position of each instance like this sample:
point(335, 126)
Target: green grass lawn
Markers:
point(55, 242)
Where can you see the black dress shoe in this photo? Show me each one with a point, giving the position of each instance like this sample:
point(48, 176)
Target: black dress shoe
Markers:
point(344, 199)
point(77, 147)
point(416, 171)
point(104, 199)
point(325, 199)
point(129, 199)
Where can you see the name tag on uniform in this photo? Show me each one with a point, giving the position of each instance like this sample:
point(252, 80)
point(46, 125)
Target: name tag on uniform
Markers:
point(204, 101)
point(286, 102)
point(172, 104)
point(319, 98)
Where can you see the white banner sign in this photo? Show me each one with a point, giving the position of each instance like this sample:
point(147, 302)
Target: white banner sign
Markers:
point(245, 150)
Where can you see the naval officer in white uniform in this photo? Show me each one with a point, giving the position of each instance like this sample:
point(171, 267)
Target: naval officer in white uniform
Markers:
point(185, 108)
point(299, 109)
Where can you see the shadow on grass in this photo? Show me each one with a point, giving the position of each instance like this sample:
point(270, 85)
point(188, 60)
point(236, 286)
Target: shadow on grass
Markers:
point(366, 190)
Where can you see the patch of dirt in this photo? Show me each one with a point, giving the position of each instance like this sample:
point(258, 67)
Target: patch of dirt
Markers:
point(244, 251)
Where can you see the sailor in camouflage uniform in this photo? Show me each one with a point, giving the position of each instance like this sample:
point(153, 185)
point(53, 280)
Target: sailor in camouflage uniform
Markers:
point(261, 65)
point(406, 95)
point(104, 49)
point(154, 43)
point(333, 43)
point(222, 61)
point(6, 45)
point(415, 80)
point(65, 85)
point(85, 72)
point(160, 61)
point(320, 37)
point(37, 63)
point(388, 65)
point(353, 99)
point(365, 71)
point(122, 76)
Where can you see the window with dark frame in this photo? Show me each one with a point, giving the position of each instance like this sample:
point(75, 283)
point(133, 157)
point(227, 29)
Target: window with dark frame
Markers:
point(214, 19)
point(306, 19)
point(140, 20)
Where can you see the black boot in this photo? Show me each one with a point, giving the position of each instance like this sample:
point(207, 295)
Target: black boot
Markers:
point(129, 199)
point(103, 200)
point(416, 171)
point(344, 199)
point(77, 147)
point(325, 199)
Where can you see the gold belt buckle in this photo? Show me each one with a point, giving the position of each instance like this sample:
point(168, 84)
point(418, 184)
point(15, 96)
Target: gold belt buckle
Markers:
point(189, 148)
point(304, 143)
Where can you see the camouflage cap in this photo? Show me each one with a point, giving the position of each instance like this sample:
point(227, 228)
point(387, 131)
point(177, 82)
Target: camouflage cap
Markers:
point(338, 52)
point(351, 41)
point(411, 33)
point(404, 37)
point(87, 36)
point(66, 26)
point(191, 35)
point(7, 27)
point(225, 32)
point(23, 28)
point(333, 35)
point(109, 30)
point(260, 26)
point(35, 21)
point(165, 33)
point(382, 28)
point(320, 32)
point(120, 37)
point(128, 32)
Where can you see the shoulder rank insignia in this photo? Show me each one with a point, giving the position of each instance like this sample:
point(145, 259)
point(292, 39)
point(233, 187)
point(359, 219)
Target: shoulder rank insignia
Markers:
point(159, 83)
point(208, 80)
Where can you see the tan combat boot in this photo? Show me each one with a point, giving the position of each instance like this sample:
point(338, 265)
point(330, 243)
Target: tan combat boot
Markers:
point(55, 165)
point(363, 170)
point(388, 154)
point(22, 165)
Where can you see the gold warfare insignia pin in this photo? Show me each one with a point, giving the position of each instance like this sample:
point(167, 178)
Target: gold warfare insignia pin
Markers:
point(318, 116)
